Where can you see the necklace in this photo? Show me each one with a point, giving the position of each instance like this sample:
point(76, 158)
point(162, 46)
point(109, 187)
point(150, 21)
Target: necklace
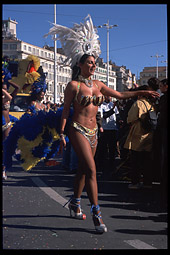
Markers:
point(88, 82)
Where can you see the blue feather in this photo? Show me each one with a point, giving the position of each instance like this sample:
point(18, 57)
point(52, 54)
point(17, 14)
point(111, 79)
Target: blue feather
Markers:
point(30, 127)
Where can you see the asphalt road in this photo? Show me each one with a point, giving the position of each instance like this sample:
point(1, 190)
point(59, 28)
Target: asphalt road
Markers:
point(34, 216)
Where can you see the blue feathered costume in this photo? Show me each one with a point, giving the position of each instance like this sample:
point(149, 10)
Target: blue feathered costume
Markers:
point(37, 135)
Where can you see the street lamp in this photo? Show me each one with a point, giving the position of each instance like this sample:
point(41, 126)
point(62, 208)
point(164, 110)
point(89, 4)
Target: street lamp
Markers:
point(166, 61)
point(107, 26)
point(55, 61)
point(157, 56)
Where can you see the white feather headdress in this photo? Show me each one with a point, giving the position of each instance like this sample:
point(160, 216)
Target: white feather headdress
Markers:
point(77, 41)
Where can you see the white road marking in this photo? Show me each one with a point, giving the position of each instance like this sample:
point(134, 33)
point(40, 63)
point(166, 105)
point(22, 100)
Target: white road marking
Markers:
point(139, 244)
point(49, 191)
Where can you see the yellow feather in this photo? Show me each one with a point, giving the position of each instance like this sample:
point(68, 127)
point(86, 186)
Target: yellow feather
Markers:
point(31, 77)
point(54, 133)
point(26, 151)
point(26, 148)
point(36, 61)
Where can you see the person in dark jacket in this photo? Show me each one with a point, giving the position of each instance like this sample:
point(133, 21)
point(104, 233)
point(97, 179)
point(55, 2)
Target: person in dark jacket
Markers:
point(162, 130)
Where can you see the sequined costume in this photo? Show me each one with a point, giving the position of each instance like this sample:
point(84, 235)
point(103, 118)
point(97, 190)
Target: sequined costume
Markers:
point(89, 134)
point(86, 100)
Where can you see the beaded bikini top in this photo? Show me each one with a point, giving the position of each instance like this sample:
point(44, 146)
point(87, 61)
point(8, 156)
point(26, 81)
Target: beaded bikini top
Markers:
point(86, 100)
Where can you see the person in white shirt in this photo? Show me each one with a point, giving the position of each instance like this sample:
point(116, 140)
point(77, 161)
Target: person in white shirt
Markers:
point(108, 138)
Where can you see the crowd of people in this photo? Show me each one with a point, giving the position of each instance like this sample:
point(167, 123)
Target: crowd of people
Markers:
point(144, 148)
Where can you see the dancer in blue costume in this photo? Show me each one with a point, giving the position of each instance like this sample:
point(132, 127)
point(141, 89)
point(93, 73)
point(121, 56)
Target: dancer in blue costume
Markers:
point(36, 134)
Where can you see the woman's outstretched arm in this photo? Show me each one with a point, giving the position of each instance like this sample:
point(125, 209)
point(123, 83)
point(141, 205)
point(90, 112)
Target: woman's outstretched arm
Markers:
point(126, 94)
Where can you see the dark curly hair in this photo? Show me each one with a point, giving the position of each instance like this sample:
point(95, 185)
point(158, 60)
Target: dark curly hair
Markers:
point(154, 83)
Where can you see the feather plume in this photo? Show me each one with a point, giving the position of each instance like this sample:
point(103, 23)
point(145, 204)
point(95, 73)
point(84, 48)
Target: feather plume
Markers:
point(77, 41)
point(36, 136)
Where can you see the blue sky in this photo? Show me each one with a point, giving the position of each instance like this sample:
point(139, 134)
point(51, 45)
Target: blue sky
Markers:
point(141, 31)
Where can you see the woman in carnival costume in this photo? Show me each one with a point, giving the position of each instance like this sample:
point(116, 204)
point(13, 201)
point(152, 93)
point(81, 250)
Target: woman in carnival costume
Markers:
point(37, 95)
point(81, 46)
point(36, 132)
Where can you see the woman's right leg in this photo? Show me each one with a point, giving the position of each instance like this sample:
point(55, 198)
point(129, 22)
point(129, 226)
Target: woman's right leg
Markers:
point(86, 173)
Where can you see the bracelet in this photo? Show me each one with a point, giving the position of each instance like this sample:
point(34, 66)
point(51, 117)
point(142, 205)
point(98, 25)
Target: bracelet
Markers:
point(61, 137)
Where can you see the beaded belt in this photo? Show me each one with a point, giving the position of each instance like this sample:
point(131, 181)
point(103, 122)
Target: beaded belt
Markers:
point(89, 134)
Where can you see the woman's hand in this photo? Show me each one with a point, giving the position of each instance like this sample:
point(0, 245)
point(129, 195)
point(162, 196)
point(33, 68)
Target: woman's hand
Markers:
point(151, 93)
point(62, 144)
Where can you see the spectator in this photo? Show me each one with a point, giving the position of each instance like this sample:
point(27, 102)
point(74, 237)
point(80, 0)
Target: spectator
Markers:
point(139, 142)
point(108, 138)
point(124, 108)
point(163, 135)
point(153, 83)
point(48, 105)
point(70, 160)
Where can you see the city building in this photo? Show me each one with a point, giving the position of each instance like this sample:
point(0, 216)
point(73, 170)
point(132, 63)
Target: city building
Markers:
point(9, 29)
point(124, 78)
point(149, 72)
point(101, 73)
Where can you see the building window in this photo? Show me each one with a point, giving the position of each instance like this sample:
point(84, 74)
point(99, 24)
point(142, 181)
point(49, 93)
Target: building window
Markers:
point(60, 88)
point(13, 46)
point(49, 87)
point(25, 47)
point(5, 46)
point(29, 48)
